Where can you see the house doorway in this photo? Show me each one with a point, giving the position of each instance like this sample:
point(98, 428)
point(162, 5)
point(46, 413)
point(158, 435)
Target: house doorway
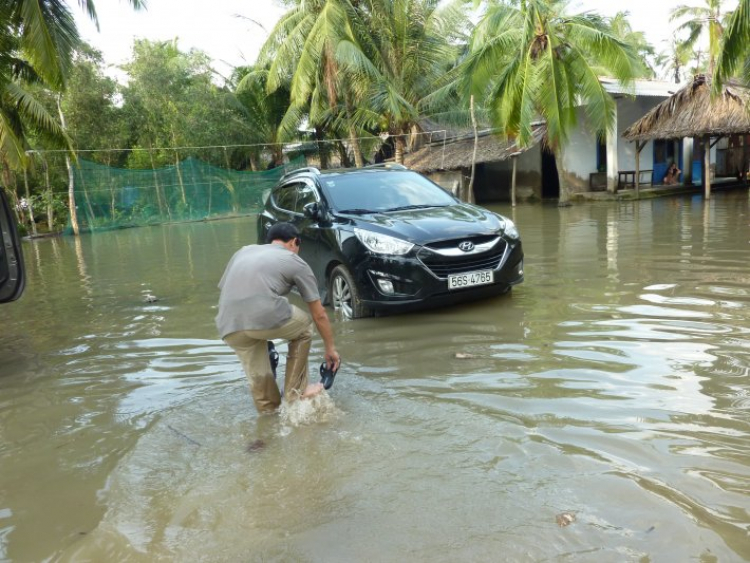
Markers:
point(550, 179)
point(666, 151)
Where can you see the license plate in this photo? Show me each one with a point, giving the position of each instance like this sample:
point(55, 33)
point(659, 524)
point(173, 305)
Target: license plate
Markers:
point(469, 279)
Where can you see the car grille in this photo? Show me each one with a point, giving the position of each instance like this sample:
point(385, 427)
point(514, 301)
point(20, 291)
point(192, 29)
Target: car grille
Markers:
point(443, 266)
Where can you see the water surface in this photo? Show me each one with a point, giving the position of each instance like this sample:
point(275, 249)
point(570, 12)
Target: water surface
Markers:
point(613, 385)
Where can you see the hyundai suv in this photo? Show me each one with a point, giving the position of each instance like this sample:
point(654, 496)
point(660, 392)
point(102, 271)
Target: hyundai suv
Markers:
point(385, 238)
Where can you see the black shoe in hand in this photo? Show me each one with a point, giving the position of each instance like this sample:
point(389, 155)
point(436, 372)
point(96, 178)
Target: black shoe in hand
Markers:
point(327, 375)
point(273, 357)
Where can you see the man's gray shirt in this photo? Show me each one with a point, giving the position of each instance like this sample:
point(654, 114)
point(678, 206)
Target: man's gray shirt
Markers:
point(254, 286)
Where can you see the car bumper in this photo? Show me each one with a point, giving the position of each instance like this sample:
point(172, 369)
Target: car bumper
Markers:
point(396, 283)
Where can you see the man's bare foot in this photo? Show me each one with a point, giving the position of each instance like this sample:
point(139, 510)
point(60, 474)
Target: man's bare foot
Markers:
point(312, 390)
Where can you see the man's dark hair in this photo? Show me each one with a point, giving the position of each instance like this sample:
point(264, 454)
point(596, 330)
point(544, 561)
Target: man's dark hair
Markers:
point(282, 231)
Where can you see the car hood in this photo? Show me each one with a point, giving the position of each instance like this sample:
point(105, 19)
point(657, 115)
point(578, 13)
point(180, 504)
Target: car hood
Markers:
point(422, 226)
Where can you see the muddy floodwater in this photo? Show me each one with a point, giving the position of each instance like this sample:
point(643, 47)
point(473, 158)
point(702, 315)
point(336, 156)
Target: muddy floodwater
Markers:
point(600, 412)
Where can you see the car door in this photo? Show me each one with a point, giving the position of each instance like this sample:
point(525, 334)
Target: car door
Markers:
point(12, 275)
point(308, 227)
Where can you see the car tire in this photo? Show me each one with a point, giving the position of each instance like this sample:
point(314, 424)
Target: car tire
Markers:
point(344, 294)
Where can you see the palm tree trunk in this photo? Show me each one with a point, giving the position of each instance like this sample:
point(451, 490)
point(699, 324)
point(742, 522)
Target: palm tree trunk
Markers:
point(50, 197)
point(28, 200)
point(322, 149)
point(400, 143)
point(20, 215)
point(359, 161)
point(561, 176)
point(71, 181)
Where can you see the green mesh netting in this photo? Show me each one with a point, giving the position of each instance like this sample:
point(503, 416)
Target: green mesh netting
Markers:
point(110, 198)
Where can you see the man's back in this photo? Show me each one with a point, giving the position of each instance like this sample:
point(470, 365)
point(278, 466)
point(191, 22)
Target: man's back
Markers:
point(254, 286)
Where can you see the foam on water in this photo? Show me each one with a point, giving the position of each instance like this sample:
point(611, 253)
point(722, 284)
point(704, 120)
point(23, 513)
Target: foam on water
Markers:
point(320, 408)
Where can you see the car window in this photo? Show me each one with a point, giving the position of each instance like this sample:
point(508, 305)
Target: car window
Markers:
point(305, 194)
point(384, 191)
point(284, 197)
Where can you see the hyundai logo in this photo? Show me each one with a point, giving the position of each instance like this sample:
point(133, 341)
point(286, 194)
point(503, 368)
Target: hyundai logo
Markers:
point(466, 246)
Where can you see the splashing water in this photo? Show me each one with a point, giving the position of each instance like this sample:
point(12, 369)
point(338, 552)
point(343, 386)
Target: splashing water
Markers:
point(304, 412)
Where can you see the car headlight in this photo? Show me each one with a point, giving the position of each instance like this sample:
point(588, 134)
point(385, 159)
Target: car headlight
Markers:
point(509, 228)
point(383, 244)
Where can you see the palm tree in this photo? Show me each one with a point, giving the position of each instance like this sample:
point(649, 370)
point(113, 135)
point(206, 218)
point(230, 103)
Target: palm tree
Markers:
point(262, 113)
point(622, 29)
point(364, 66)
point(90, 8)
point(699, 20)
point(674, 59)
point(414, 44)
point(735, 46)
point(301, 54)
point(533, 61)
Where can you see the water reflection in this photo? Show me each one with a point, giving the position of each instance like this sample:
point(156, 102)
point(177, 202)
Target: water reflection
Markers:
point(613, 384)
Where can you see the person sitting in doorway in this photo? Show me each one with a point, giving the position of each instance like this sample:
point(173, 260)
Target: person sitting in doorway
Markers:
point(673, 175)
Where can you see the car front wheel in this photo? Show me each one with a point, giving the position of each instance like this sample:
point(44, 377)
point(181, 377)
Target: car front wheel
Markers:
point(345, 295)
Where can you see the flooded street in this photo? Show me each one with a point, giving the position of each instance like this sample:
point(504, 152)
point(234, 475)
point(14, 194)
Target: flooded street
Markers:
point(599, 412)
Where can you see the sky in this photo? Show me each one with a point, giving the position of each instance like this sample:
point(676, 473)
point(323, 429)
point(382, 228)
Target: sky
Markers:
point(232, 31)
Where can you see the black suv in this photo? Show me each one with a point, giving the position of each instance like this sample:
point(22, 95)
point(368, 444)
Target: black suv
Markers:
point(385, 238)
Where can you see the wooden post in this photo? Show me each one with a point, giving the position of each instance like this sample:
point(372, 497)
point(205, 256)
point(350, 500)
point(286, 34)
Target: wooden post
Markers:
point(514, 158)
point(638, 148)
point(707, 166)
point(470, 195)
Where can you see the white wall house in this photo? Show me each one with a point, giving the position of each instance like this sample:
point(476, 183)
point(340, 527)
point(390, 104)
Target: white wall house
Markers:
point(590, 163)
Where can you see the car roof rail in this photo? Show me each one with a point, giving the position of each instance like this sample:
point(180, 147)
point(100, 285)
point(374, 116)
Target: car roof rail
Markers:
point(300, 171)
point(388, 166)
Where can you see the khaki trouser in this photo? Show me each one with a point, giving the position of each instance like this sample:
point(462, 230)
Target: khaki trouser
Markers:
point(252, 349)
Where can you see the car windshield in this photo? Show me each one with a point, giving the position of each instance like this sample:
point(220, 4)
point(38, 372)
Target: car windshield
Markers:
point(383, 191)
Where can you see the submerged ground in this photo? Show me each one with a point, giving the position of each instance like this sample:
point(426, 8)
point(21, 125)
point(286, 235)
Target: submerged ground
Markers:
point(599, 412)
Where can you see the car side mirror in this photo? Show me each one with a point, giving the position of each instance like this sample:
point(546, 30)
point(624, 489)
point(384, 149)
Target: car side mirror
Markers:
point(312, 211)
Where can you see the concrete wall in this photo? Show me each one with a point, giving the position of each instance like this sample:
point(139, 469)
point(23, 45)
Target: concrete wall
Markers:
point(628, 112)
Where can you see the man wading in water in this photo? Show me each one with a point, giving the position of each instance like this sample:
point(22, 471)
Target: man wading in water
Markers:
point(253, 309)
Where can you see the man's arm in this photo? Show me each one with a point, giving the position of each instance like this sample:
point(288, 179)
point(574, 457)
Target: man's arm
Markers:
point(320, 317)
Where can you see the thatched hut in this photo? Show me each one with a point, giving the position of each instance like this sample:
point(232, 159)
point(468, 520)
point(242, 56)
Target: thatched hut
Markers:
point(694, 112)
point(449, 160)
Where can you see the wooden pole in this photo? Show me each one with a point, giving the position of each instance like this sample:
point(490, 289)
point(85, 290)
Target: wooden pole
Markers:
point(470, 195)
point(513, 182)
point(707, 166)
point(638, 169)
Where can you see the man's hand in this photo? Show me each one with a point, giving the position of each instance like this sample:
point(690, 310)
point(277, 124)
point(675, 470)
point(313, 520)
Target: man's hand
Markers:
point(320, 317)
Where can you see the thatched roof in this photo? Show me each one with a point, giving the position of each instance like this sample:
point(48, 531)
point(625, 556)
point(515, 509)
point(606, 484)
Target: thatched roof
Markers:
point(453, 154)
point(692, 112)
